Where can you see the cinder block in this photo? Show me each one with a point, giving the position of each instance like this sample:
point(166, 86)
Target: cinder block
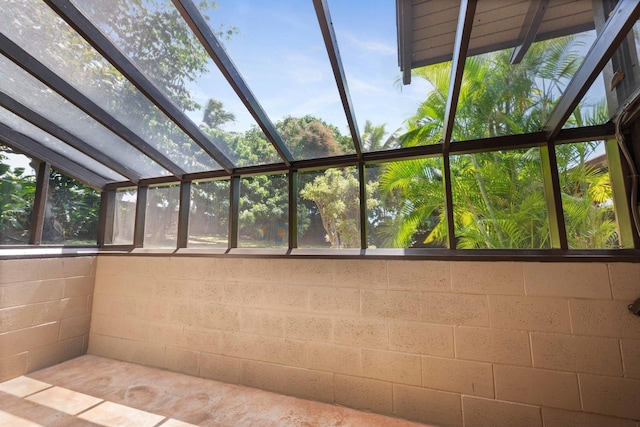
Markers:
point(188, 268)
point(493, 345)
point(78, 286)
point(335, 300)
point(553, 417)
point(18, 270)
point(15, 342)
point(197, 339)
point(74, 327)
point(529, 313)
point(308, 384)
point(243, 294)
point(262, 322)
point(147, 354)
point(152, 309)
point(537, 387)
point(52, 268)
point(209, 290)
point(631, 358)
point(335, 358)
point(607, 318)
point(311, 272)
point(368, 333)
point(454, 309)
point(32, 292)
point(364, 394)
point(500, 278)
point(421, 338)
point(625, 280)
point(479, 412)
point(265, 376)
point(427, 406)
point(14, 318)
point(185, 313)
point(164, 287)
point(390, 366)
point(619, 397)
point(180, 360)
point(391, 304)
point(111, 347)
point(262, 271)
point(358, 273)
point(308, 328)
point(61, 309)
point(565, 279)
point(125, 306)
point(419, 275)
point(576, 354)
point(216, 316)
point(51, 354)
point(13, 366)
point(286, 297)
point(459, 376)
point(220, 368)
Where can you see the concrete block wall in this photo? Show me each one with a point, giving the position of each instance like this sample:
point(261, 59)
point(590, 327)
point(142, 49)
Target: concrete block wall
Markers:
point(448, 343)
point(45, 312)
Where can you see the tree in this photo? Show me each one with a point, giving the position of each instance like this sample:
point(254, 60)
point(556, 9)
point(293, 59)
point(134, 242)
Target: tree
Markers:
point(373, 138)
point(17, 191)
point(215, 115)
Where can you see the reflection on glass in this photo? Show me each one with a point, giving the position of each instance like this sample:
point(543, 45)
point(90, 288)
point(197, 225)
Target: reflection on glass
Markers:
point(209, 214)
point(405, 206)
point(124, 218)
point(71, 212)
point(161, 220)
point(329, 209)
point(587, 199)
point(17, 194)
point(264, 211)
point(499, 201)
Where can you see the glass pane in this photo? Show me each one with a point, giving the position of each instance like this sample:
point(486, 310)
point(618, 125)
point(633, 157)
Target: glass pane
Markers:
point(17, 194)
point(161, 220)
point(71, 213)
point(264, 211)
point(124, 218)
point(329, 209)
point(367, 35)
point(33, 94)
point(163, 47)
point(405, 204)
point(280, 51)
point(499, 201)
point(209, 214)
point(592, 109)
point(587, 199)
point(53, 143)
point(37, 29)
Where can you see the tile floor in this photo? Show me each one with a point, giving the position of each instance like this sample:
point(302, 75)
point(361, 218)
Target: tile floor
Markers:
point(95, 391)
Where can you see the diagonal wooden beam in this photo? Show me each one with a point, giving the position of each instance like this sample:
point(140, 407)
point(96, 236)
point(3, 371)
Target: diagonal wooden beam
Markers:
point(529, 30)
point(330, 41)
point(76, 19)
point(620, 22)
point(214, 48)
point(460, 48)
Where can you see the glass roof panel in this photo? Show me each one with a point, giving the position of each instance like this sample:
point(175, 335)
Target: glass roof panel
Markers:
point(38, 30)
point(280, 51)
point(389, 114)
point(27, 129)
point(35, 95)
point(153, 35)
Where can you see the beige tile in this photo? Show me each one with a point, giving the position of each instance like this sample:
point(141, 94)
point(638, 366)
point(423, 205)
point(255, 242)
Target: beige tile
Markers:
point(605, 318)
point(421, 338)
point(454, 309)
point(553, 417)
point(13, 366)
point(286, 297)
point(364, 394)
point(335, 300)
point(64, 400)
point(576, 354)
point(625, 280)
point(308, 328)
point(619, 397)
point(308, 384)
point(479, 412)
point(10, 420)
point(265, 376)
point(78, 286)
point(564, 279)
point(180, 360)
point(26, 339)
point(15, 318)
point(176, 423)
point(262, 322)
point(358, 273)
point(501, 278)
point(413, 275)
point(631, 358)
point(74, 327)
point(390, 304)
point(529, 313)
point(368, 333)
point(18, 270)
point(493, 345)
point(335, 358)
point(427, 406)
point(111, 414)
point(391, 366)
point(459, 376)
point(243, 294)
point(537, 387)
point(23, 386)
point(32, 292)
point(220, 368)
point(48, 355)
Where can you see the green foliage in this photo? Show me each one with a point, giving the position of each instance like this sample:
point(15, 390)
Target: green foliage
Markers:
point(17, 189)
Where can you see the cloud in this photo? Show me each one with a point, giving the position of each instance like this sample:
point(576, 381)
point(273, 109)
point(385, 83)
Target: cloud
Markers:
point(371, 46)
